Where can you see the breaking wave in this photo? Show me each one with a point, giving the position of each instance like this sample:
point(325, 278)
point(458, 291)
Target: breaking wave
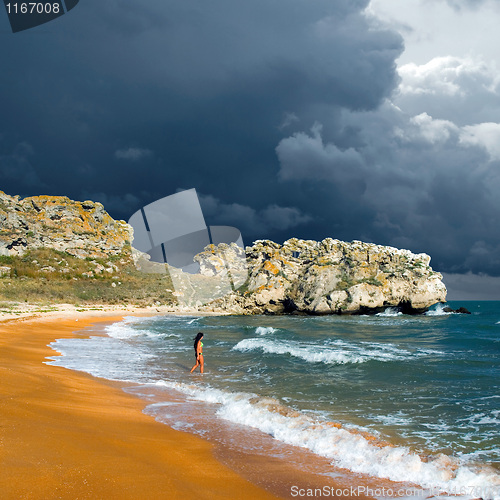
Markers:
point(336, 353)
point(347, 448)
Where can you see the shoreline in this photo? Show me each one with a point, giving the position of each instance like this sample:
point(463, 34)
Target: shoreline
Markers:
point(16, 310)
point(67, 434)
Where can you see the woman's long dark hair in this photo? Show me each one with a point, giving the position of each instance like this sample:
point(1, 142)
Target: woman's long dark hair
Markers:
point(197, 339)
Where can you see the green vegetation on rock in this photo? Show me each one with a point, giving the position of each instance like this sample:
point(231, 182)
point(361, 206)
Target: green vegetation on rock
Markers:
point(48, 276)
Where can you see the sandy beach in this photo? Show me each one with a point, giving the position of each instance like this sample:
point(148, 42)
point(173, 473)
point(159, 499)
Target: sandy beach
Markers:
point(67, 435)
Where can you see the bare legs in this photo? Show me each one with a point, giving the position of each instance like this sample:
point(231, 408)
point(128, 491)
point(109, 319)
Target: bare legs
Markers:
point(199, 362)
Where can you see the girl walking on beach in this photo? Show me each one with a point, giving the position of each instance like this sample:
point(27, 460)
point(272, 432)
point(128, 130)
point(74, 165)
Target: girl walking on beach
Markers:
point(198, 348)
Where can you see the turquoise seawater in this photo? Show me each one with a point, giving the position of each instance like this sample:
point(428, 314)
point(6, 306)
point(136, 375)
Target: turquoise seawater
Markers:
point(428, 385)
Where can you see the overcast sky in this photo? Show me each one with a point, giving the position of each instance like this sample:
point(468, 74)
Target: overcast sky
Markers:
point(377, 121)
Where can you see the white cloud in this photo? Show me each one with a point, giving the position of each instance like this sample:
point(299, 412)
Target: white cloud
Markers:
point(132, 154)
point(464, 90)
point(486, 135)
point(449, 76)
point(427, 156)
point(437, 28)
point(437, 76)
point(433, 131)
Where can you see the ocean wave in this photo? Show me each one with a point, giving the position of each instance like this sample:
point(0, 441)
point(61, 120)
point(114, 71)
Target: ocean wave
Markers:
point(480, 455)
point(336, 353)
point(265, 330)
point(129, 328)
point(126, 328)
point(389, 312)
point(484, 419)
point(347, 448)
point(438, 311)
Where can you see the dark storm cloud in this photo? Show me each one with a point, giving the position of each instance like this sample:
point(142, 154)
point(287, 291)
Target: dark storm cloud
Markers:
point(132, 154)
point(113, 203)
point(285, 115)
point(246, 219)
point(424, 184)
point(205, 86)
point(472, 287)
point(16, 167)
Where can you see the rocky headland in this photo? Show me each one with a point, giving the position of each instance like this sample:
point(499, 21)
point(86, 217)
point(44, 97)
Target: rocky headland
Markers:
point(82, 229)
point(330, 277)
point(54, 250)
point(45, 240)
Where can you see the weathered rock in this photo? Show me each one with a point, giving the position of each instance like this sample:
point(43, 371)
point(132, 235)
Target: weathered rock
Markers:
point(330, 277)
point(83, 229)
point(460, 310)
point(300, 277)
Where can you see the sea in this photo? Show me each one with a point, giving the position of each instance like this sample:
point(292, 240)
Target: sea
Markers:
point(410, 399)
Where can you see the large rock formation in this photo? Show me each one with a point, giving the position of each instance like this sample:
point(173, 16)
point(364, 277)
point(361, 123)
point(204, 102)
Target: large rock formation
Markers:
point(330, 277)
point(83, 229)
point(326, 277)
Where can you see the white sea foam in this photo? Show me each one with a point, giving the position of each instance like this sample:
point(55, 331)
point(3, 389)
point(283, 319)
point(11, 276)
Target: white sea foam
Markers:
point(104, 357)
point(265, 330)
point(129, 328)
point(390, 311)
point(438, 310)
point(396, 419)
point(336, 353)
point(482, 418)
point(480, 455)
point(125, 329)
point(345, 448)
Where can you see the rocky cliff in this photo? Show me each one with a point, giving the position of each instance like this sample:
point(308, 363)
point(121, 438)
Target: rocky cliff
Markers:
point(83, 229)
point(326, 277)
point(330, 277)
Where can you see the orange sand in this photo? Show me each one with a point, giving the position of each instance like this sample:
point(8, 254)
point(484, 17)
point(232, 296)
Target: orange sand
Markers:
point(65, 434)
point(68, 435)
